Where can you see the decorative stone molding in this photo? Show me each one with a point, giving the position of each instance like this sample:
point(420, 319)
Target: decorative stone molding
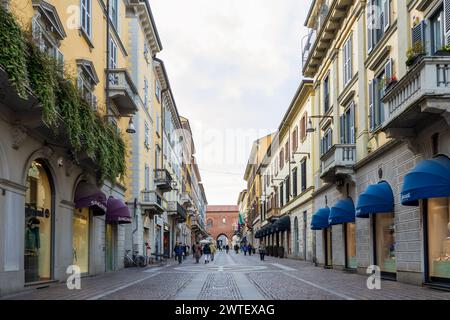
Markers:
point(19, 134)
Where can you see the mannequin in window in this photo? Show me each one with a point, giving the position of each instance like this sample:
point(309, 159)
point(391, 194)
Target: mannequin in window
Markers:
point(32, 238)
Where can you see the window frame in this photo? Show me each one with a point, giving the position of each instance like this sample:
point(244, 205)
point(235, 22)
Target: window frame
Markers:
point(86, 15)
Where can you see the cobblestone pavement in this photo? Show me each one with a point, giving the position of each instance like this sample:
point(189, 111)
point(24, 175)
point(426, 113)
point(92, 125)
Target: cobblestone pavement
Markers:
point(232, 277)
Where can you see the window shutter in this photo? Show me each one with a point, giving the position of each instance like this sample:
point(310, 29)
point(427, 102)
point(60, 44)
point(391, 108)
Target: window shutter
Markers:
point(352, 123)
point(418, 34)
point(447, 21)
point(342, 129)
point(369, 19)
point(371, 108)
point(350, 58)
point(386, 14)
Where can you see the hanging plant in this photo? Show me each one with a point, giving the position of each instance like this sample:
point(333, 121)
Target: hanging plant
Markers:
point(13, 48)
point(43, 76)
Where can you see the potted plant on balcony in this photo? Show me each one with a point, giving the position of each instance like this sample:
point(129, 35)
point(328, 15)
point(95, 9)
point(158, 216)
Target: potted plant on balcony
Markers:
point(415, 53)
point(444, 51)
point(390, 82)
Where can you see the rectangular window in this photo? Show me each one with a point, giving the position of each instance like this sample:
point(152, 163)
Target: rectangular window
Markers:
point(303, 172)
point(303, 124)
point(112, 54)
point(86, 16)
point(437, 31)
point(158, 124)
point(281, 159)
point(287, 182)
point(377, 88)
point(294, 182)
point(385, 242)
point(347, 122)
point(438, 225)
point(326, 94)
point(287, 151)
point(146, 93)
point(146, 131)
point(157, 91)
point(348, 60)
point(350, 246)
point(281, 195)
point(378, 21)
point(147, 177)
point(114, 13)
point(326, 141)
point(295, 139)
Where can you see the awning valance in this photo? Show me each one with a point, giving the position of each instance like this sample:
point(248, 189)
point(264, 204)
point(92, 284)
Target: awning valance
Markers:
point(377, 198)
point(320, 219)
point(343, 211)
point(283, 224)
point(89, 196)
point(117, 212)
point(429, 179)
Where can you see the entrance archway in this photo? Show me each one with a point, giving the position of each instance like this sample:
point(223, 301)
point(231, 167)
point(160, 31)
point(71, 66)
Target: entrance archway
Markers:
point(222, 240)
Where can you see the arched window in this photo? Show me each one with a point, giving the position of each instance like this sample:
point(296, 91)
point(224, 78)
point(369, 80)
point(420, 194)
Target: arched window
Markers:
point(38, 224)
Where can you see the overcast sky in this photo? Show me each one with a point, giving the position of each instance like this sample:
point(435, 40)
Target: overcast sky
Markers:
point(234, 66)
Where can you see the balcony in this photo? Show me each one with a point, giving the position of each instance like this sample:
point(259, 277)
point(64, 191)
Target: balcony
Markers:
point(151, 203)
point(419, 98)
point(177, 210)
point(337, 163)
point(325, 20)
point(163, 180)
point(273, 213)
point(123, 92)
point(186, 200)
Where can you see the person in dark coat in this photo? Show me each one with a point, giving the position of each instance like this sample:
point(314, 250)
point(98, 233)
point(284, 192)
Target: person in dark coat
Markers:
point(197, 249)
point(207, 252)
point(249, 249)
point(227, 248)
point(178, 252)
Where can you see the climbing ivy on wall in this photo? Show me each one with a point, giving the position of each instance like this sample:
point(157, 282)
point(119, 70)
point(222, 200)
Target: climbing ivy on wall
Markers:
point(31, 71)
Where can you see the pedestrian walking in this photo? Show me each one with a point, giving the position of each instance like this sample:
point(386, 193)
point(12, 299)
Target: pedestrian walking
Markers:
point(227, 248)
point(262, 251)
point(236, 248)
point(179, 252)
point(245, 249)
point(185, 251)
point(249, 248)
point(213, 251)
point(197, 252)
point(207, 252)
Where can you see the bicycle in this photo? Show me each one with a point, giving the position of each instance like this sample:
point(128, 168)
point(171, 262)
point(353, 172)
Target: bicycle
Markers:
point(135, 261)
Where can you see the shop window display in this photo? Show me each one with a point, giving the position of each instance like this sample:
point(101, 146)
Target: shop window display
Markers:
point(438, 220)
point(81, 239)
point(385, 242)
point(350, 245)
point(38, 225)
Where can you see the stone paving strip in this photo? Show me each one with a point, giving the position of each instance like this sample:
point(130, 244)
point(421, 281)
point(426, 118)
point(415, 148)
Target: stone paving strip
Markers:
point(91, 286)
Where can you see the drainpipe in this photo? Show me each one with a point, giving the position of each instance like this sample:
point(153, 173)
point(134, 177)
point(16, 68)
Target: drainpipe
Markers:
point(136, 220)
point(107, 56)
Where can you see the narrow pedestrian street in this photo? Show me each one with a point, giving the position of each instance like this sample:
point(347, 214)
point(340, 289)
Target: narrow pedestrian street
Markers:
point(231, 277)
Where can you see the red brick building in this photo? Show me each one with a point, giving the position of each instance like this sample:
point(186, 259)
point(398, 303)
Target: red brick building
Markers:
point(221, 220)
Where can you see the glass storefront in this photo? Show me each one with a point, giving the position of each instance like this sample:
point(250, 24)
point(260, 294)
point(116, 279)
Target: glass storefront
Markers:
point(438, 223)
point(385, 242)
point(350, 245)
point(109, 247)
point(81, 239)
point(328, 247)
point(38, 225)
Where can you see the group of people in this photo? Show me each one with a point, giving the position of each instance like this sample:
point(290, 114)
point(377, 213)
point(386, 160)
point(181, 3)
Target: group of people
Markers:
point(208, 250)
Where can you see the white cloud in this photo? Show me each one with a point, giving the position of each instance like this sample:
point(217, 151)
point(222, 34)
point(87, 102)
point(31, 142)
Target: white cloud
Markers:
point(232, 64)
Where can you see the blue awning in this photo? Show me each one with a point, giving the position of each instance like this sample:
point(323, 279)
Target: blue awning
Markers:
point(320, 219)
point(343, 211)
point(429, 179)
point(377, 198)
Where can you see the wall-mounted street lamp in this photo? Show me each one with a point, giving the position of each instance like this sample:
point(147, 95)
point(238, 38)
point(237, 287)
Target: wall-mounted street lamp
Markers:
point(310, 128)
point(131, 128)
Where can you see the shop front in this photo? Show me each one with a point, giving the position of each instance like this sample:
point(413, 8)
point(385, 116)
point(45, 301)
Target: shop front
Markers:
point(428, 186)
point(89, 203)
point(320, 222)
point(117, 214)
point(39, 224)
point(377, 203)
point(343, 213)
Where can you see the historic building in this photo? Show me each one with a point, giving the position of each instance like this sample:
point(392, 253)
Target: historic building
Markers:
point(221, 222)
